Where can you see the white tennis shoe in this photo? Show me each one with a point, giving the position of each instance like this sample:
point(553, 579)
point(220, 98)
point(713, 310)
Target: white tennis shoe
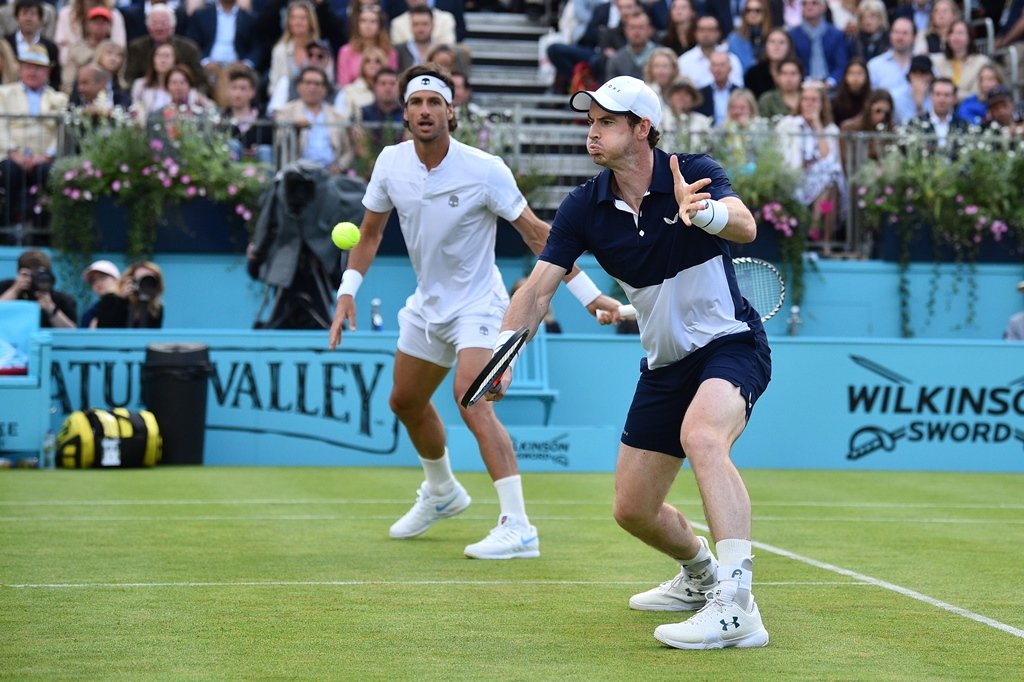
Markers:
point(428, 509)
point(510, 539)
point(718, 625)
point(685, 592)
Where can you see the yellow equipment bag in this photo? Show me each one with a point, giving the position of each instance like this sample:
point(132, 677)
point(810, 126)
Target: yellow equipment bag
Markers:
point(109, 439)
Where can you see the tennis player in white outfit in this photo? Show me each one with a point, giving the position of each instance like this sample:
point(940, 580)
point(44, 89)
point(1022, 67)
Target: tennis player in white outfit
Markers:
point(448, 196)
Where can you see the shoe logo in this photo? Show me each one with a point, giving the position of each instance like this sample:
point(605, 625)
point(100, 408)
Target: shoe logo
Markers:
point(441, 507)
point(735, 623)
point(738, 573)
point(672, 221)
point(527, 541)
point(691, 593)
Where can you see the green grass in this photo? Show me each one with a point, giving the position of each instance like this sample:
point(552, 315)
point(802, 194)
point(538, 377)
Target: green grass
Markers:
point(246, 574)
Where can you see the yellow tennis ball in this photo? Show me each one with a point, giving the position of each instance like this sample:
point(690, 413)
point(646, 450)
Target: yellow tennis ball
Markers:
point(345, 235)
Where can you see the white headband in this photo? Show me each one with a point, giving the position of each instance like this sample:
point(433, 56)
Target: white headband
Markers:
point(431, 83)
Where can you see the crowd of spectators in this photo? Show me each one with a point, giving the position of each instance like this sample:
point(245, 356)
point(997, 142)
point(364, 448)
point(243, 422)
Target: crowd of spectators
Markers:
point(316, 64)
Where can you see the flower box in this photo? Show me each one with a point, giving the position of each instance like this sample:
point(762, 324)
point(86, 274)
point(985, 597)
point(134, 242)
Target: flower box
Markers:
point(194, 226)
point(922, 247)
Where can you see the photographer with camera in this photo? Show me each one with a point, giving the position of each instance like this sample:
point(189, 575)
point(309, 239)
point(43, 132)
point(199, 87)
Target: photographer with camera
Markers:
point(136, 304)
point(35, 282)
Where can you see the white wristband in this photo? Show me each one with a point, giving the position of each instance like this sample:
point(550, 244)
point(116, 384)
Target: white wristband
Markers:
point(712, 218)
point(350, 283)
point(502, 338)
point(583, 288)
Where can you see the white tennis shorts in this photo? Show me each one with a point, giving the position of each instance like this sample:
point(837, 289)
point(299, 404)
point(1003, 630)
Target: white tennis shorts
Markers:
point(440, 343)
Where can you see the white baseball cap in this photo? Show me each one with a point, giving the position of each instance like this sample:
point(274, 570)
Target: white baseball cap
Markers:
point(104, 266)
point(621, 95)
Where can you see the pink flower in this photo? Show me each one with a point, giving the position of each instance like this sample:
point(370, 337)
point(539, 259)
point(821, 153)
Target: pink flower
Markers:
point(166, 182)
point(959, 198)
point(888, 190)
point(232, 190)
point(147, 170)
point(124, 168)
point(249, 171)
point(191, 191)
point(75, 194)
point(116, 185)
point(185, 179)
point(69, 175)
point(247, 215)
point(239, 209)
point(156, 145)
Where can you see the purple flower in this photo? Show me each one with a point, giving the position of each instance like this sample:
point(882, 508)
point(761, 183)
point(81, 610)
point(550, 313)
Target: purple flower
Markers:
point(185, 179)
point(232, 190)
point(166, 182)
point(191, 191)
point(156, 145)
point(75, 194)
point(239, 209)
point(69, 175)
point(116, 185)
point(888, 190)
point(247, 215)
point(971, 210)
point(124, 168)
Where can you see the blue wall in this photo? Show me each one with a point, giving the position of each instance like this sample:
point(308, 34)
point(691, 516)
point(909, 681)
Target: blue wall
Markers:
point(843, 299)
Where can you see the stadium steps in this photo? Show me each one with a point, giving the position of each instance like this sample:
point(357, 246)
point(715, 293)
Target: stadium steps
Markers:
point(504, 51)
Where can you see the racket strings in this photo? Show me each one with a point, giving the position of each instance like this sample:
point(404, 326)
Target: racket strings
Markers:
point(761, 285)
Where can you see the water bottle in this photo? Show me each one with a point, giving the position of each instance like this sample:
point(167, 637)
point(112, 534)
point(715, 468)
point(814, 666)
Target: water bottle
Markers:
point(376, 319)
point(49, 449)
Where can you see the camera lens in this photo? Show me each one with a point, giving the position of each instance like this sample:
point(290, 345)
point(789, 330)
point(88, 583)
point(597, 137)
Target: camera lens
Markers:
point(148, 286)
point(42, 280)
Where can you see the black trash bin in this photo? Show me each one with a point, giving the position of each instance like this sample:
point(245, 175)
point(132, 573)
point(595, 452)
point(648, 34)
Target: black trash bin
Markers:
point(175, 381)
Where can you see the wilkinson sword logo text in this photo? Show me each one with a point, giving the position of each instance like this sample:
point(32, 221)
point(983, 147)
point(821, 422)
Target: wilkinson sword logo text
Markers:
point(934, 414)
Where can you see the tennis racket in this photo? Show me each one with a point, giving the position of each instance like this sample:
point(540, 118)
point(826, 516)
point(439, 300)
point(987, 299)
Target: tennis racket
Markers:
point(759, 281)
point(490, 375)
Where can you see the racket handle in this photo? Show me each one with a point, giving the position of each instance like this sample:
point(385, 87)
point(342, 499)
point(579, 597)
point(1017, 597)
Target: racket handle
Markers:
point(625, 312)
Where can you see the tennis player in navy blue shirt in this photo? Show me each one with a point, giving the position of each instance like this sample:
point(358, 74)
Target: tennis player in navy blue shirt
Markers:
point(661, 224)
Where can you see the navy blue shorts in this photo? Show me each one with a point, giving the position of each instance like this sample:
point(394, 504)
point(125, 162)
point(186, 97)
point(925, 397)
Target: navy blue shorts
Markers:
point(663, 395)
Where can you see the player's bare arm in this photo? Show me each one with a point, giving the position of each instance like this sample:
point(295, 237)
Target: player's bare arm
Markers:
point(360, 258)
point(535, 233)
point(741, 227)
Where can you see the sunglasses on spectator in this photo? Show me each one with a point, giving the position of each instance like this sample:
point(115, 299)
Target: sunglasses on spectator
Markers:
point(753, 10)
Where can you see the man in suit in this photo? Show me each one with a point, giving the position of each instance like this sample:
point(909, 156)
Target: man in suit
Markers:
point(29, 144)
point(716, 95)
point(820, 45)
point(421, 26)
point(225, 36)
point(95, 92)
point(323, 136)
point(160, 25)
point(8, 24)
point(29, 16)
point(453, 8)
point(941, 120)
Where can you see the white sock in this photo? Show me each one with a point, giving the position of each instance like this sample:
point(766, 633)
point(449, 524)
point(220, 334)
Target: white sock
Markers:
point(438, 472)
point(735, 571)
point(510, 497)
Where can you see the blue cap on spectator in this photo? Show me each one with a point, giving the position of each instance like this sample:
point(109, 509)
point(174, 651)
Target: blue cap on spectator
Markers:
point(999, 92)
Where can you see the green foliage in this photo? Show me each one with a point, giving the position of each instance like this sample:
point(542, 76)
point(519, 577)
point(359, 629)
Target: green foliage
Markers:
point(144, 169)
point(965, 195)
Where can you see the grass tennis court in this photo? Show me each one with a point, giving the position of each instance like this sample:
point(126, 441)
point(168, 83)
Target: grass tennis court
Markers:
point(287, 573)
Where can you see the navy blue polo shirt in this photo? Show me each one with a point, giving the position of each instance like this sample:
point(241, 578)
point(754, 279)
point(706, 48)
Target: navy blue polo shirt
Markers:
point(679, 278)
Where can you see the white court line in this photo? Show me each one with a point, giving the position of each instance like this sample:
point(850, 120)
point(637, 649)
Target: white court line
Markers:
point(906, 592)
point(107, 518)
point(399, 583)
point(406, 500)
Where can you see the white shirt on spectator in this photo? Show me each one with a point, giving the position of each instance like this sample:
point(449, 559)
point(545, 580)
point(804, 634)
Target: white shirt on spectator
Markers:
point(696, 66)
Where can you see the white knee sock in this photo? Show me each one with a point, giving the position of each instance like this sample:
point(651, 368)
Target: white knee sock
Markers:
point(510, 497)
point(735, 571)
point(438, 472)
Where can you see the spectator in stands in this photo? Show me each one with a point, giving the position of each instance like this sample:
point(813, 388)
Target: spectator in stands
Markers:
point(631, 58)
point(110, 58)
point(941, 120)
point(137, 303)
point(359, 92)
point(913, 100)
point(601, 38)
point(684, 127)
point(421, 27)
point(462, 100)
point(288, 56)
point(716, 94)
point(844, 15)
point(35, 281)
point(103, 277)
point(742, 111)
point(696, 63)
point(661, 71)
point(792, 14)
point(1002, 111)
point(72, 19)
point(444, 31)
point(225, 35)
point(380, 121)
point(366, 31)
point(974, 108)
point(160, 25)
point(680, 34)
point(820, 45)
point(185, 98)
point(29, 15)
point(762, 76)
point(810, 141)
point(960, 61)
point(322, 134)
point(81, 52)
point(889, 69)
point(849, 98)
point(149, 93)
point(448, 57)
point(784, 99)
point(1015, 327)
point(318, 54)
point(747, 41)
point(251, 135)
point(872, 35)
point(31, 143)
point(932, 40)
point(720, 10)
point(8, 64)
point(1012, 29)
point(877, 116)
point(919, 12)
point(8, 23)
point(95, 93)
